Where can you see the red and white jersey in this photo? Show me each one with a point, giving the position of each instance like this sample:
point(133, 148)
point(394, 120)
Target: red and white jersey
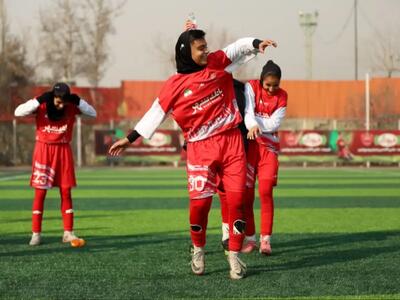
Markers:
point(54, 132)
point(202, 103)
point(266, 111)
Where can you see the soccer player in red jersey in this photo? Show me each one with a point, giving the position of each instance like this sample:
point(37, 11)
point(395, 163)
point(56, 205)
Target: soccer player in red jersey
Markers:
point(201, 99)
point(52, 163)
point(265, 109)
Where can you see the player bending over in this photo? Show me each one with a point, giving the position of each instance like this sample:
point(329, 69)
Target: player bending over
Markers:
point(52, 163)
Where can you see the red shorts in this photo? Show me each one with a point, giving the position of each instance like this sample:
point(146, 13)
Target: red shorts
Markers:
point(261, 162)
point(220, 155)
point(52, 165)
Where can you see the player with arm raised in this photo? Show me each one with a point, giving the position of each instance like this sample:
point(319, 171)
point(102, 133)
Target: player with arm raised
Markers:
point(265, 109)
point(52, 163)
point(201, 99)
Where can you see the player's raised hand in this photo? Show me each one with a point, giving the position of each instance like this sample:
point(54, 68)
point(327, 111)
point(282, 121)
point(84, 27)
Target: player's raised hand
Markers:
point(118, 147)
point(266, 43)
point(45, 97)
point(189, 25)
point(253, 133)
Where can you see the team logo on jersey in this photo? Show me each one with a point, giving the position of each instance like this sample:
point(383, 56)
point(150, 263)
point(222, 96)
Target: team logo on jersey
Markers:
point(55, 129)
point(187, 93)
point(207, 101)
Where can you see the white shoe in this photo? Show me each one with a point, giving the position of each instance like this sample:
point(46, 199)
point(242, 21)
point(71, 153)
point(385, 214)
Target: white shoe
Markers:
point(69, 236)
point(238, 268)
point(36, 239)
point(197, 263)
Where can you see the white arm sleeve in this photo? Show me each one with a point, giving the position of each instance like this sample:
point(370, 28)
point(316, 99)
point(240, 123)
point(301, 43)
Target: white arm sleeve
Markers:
point(87, 109)
point(249, 118)
point(153, 118)
point(26, 108)
point(240, 52)
point(272, 123)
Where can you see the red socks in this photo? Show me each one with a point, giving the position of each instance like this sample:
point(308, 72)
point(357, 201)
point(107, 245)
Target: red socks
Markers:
point(199, 209)
point(37, 210)
point(66, 209)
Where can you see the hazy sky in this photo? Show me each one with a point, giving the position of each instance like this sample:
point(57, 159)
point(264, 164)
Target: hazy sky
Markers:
point(146, 25)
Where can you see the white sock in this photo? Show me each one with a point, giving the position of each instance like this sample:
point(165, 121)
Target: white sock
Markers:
point(249, 238)
point(225, 231)
point(265, 238)
point(197, 249)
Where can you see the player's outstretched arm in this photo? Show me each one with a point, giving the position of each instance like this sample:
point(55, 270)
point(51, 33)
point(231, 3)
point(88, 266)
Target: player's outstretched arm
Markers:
point(118, 147)
point(244, 50)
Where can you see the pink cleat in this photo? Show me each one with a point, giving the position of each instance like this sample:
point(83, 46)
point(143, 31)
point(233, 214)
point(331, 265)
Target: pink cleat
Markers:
point(265, 248)
point(248, 246)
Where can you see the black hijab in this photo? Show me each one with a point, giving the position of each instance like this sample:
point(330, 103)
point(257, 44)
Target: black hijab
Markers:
point(61, 90)
point(183, 53)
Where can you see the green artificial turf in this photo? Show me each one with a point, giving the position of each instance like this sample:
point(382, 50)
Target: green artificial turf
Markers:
point(336, 236)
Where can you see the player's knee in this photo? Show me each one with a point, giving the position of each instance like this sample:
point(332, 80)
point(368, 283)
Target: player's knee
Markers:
point(196, 228)
point(239, 226)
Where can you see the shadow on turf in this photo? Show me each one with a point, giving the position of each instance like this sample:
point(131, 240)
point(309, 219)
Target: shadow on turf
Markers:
point(29, 219)
point(329, 249)
point(51, 244)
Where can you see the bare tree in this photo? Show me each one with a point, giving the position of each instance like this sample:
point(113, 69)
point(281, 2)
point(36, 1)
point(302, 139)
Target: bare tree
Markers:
point(99, 16)
point(61, 43)
point(385, 53)
point(14, 69)
point(15, 75)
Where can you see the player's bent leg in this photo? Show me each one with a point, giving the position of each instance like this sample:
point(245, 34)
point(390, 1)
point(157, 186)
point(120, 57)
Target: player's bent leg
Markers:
point(249, 244)
point(267, 215)
point(225, 218)
point(236, 220)
point(199, 209)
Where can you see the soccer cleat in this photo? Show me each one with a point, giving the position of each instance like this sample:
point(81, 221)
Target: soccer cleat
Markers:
point(238, 268)
point(70, 237)
point(248, 246)
point(265, 248)
point(36, 239)
point(197, 263)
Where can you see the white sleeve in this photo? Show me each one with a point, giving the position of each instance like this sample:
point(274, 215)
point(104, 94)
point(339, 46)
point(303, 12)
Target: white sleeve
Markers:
point(152, 119)
point(249, 118)
point(240, 52)
point(87, 109)
point(26, 108)
point(272, 123)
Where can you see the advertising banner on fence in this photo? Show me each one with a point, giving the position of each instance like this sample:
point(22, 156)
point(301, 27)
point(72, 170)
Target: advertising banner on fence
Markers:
point(305, 142)
point(163, 142)
point(344, 144)
point(375, 142)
